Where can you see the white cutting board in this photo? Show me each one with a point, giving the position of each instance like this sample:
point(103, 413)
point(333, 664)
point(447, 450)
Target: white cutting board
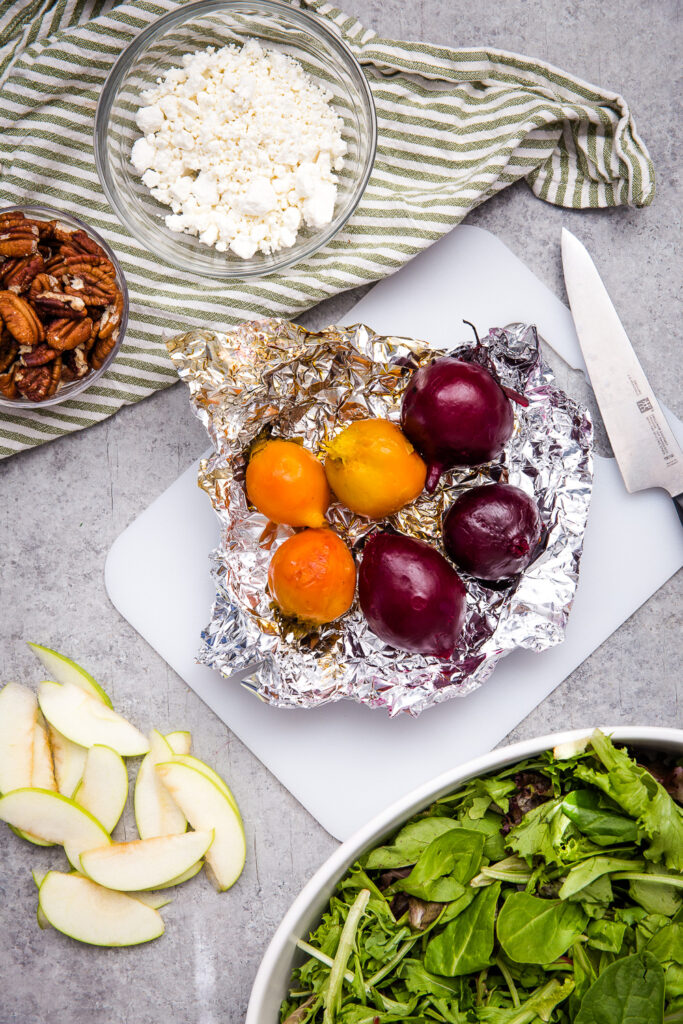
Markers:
point(344, 762)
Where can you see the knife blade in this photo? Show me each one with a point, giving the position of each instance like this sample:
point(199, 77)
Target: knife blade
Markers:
point(644, 445)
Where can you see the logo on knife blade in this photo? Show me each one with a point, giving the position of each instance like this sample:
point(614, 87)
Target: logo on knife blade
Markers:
point(644, 405)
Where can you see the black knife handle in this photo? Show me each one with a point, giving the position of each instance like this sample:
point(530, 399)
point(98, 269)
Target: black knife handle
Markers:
point(678, 502)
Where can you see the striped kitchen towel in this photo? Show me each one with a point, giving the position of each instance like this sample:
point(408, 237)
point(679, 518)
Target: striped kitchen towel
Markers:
point(455, 127)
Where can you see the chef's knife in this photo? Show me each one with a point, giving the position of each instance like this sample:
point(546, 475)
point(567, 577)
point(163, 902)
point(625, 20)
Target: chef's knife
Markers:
point(645, 448)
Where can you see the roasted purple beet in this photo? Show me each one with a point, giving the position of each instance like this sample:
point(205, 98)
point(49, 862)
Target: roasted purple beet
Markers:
point(412, 598)
point(492, 531)
point(456, 414)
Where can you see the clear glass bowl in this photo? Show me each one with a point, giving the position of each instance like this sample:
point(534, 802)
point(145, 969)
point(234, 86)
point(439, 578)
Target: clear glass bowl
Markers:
point(216, 23)
point(74, 387)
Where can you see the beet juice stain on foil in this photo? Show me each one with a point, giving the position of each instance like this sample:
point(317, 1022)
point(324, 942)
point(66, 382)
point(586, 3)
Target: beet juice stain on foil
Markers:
point(271, 377)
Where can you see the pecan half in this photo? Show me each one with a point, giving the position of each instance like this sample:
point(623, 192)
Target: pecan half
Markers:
point(7, 385)
point(95, 285)
point(66, 334)
point(39, 356)
point(57, 304)
point(11, 217)
point(20, 319)
point(38, 382)
point(80, 244)
point(17, 274)
point(111, 318)
point(9, 350)
point(18, 238)
point(42, 283)
point(103, 346)
point(75, 363)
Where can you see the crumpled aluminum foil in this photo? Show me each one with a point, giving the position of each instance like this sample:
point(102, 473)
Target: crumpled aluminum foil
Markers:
point(272, 376)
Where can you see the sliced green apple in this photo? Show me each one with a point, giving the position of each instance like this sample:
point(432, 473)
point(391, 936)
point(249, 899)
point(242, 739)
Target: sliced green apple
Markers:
point(18, 716)
point(55, 819)
point(69, 761)
point(145, 863)
point(156, 900)
point(206, 806)
point(201, 766)
point(179, 741)
point(156, 813)
point(185, 877)
point(103, 789)
point(86, 911)
point(42, 771)
point(64, 670)
point(38, 877)
point(42, 920)
point(87, 721)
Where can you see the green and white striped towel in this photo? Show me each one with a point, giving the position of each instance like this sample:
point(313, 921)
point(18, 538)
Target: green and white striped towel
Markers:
point(455, 127)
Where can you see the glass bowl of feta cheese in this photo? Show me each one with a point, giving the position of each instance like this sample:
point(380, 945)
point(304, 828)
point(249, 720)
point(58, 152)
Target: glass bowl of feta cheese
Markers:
point(235, 139)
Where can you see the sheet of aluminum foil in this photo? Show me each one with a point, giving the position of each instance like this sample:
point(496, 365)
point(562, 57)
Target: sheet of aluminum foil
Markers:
point(274, 378)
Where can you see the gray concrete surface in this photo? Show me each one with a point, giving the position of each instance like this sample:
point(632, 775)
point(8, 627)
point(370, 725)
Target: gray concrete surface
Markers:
point(62, 506)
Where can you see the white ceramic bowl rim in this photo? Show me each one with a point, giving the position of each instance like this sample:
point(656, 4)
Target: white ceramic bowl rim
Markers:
point(306, 20)
point(326, 877)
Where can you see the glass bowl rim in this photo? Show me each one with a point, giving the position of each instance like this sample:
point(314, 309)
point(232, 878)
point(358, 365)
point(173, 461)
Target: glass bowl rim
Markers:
point(314, 27)
point(40, 209)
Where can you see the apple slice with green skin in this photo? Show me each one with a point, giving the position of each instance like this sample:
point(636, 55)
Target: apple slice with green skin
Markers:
point(145, 863)
point(156, 813)
point(18, 716)
point(86, 911)
point(69, 761)
point(87, 721)
point(180, 741)
point(42, 771)
point(152, 899)
point(201, 766)
point(42, 920)
point(185, 877)
point(103, 789)
point(206, 806)
point(64, 670)
point(55, 819)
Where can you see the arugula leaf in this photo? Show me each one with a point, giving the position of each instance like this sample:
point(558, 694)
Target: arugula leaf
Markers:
point(444, 867)
point(641, 796)
point(603, 826)
point(539, 1004)
point(539, 831)
point(332, 996)
point(629, 991)
point(466, 944)
point(532, 930)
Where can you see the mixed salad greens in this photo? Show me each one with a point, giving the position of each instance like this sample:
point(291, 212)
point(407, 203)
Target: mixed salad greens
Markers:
point(551, 891)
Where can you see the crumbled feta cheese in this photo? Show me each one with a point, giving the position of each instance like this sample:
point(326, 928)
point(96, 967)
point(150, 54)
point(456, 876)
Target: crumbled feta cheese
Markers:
point(242, 146)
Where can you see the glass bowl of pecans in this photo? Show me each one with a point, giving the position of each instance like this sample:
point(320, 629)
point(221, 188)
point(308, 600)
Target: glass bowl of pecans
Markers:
point(63, 306)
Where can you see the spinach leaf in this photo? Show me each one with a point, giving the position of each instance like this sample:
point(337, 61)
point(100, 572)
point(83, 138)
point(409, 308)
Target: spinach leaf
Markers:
point(606, 935)
point(532, 930)
point(641, 796)
point(466, 944)
point(654, 897)
point(588, 870)
point(410, 842)
point(419, 981)
point(667, 944)
point(443, 869)
point(629, 991)
point(602, 825)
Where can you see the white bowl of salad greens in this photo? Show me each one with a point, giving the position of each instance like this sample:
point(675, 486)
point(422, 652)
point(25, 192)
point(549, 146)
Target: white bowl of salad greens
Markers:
point(542, 882)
